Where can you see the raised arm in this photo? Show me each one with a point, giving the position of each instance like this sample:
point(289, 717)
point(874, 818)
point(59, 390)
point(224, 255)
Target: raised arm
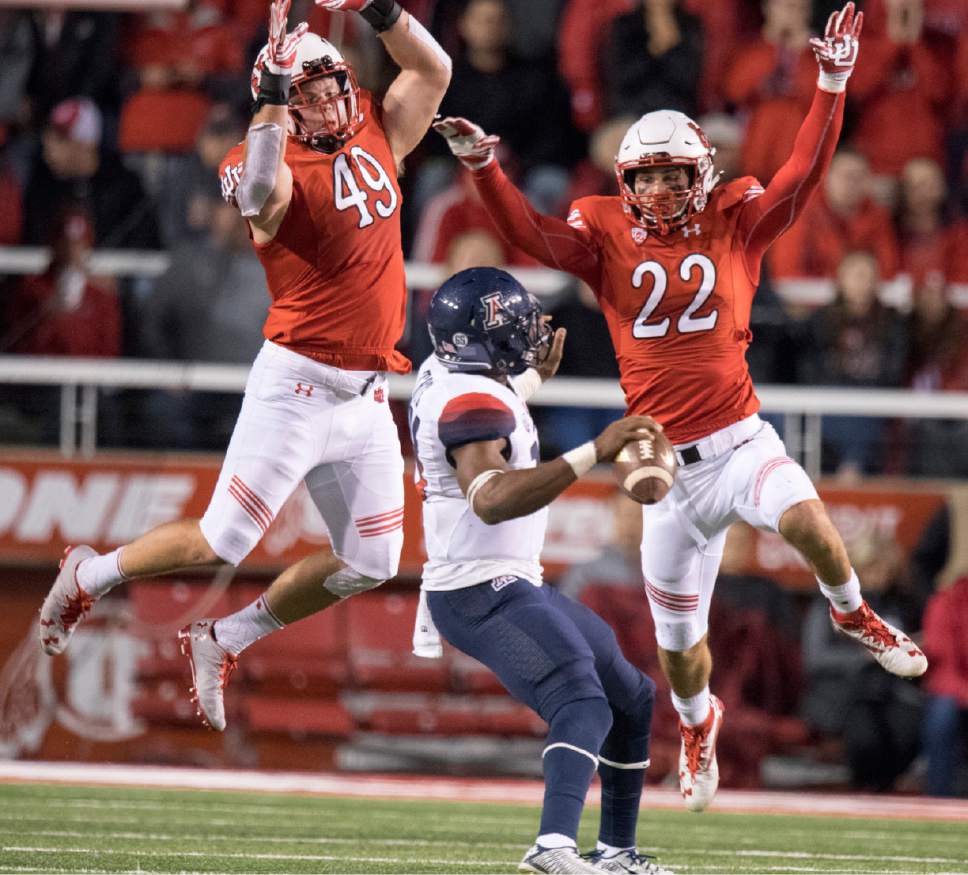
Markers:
point(265, 184)
point(414, 96)
point(497, 493)
point(551, 241)
point(767, 216)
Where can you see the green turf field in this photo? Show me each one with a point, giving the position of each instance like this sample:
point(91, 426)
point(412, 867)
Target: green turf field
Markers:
point(46, 828)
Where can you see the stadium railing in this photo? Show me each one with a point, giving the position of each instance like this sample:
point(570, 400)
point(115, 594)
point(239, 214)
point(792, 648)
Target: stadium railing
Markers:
point(802, 407)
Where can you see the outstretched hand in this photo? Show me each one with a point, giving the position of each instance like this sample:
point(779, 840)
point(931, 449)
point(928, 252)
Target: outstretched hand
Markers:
point(549, 367)
point(467, 141)
point(282, 47)
point(837, 52)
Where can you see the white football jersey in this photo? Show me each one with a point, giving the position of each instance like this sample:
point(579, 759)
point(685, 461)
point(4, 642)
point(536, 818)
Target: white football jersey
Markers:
point(449, 410)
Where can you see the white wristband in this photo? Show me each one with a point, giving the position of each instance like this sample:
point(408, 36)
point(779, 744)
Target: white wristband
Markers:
point(833, 83)
point(526, 384)
point(582, 459)
point(478, 482)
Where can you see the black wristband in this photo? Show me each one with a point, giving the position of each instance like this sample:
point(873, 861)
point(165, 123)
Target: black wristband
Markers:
point(273, 89)
point(381, 15)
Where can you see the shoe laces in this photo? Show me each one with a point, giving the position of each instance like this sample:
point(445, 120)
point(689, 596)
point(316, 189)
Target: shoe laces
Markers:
point(694, 736)
point(75, 607)
point(873, 627)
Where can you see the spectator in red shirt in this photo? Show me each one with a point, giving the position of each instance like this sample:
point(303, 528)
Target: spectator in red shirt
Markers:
point(581, 36)
point(177, 54)
point(596, 173)
point(944, 729)
point(62, 312)
point(900, 89)
point(841, 219)
point(774, 81)
point(921, 232)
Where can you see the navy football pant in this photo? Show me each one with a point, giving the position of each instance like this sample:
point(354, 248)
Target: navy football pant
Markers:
point(562, 660)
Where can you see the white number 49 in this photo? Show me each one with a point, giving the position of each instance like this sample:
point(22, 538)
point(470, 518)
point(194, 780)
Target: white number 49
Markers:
point(347, 193)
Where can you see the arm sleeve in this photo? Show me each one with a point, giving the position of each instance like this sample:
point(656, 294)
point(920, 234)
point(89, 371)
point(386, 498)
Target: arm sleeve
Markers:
point(767, 216)
point(553, 242)
point(473, 417)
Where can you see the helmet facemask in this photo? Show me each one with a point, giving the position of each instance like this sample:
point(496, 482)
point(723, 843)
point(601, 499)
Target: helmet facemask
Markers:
point(324, 104)
point(667, 210)
point(522, 343)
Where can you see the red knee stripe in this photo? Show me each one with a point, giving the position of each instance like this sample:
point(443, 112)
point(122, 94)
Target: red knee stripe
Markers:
point(380, 524)
point(765, 471)
point(254, 506)
point(671, 601)
point(378, 517)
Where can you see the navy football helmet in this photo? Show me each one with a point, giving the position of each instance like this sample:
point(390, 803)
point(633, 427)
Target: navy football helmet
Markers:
point(482, 320)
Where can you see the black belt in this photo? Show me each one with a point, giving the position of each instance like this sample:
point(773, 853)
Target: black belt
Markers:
point(689, 455)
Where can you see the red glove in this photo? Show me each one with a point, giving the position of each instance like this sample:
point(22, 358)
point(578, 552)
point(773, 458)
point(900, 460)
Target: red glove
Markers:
point(467, 141)
point(282, 46)
point(837, 52)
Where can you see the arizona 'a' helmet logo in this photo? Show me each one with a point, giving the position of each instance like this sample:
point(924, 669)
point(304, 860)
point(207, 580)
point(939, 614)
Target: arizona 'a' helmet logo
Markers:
point(493, 311)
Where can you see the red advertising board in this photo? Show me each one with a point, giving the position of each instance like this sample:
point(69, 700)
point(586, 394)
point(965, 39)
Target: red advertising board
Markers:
point(47, 501)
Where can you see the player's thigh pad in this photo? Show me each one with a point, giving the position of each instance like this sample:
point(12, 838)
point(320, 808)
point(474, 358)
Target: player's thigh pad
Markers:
point(627, 689)
point(767, 481)
point(361, 497)
point(536, 651)
point(269, 453)
point(679, 577)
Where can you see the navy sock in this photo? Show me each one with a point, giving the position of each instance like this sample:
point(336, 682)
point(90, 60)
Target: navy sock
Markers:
point(627, 744)
point(575, 736)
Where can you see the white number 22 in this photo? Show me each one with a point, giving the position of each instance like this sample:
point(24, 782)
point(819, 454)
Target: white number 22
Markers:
point(687, 322)
point(347, 193)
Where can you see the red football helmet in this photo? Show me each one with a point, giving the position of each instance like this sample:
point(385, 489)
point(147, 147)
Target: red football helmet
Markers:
point(324, 100)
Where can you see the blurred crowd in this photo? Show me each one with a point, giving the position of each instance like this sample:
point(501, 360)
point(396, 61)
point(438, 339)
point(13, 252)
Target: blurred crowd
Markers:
point(112, 126)
point(806, 706)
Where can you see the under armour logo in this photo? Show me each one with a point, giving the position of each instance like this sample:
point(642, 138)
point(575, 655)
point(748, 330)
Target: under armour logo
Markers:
point(378, 395)
point(695, 229)
point(304, 389)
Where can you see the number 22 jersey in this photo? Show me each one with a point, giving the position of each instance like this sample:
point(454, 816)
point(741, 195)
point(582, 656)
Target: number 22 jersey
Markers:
point(677, 305)
point(335, 267)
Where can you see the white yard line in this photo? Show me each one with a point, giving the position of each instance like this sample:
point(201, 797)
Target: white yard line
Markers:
point(454, 789)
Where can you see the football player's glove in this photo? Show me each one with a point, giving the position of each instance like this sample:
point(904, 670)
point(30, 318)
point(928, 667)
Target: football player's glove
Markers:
point(281, 47)
point(837, 52)
point(472, 147)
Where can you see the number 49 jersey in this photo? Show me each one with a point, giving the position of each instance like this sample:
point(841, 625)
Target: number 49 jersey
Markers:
point(449, 410)
point(335, 267)
point(678, 310)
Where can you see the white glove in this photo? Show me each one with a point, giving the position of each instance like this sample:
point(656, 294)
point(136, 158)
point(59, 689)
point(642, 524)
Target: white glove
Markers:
point(472, 147)
point(837, 52)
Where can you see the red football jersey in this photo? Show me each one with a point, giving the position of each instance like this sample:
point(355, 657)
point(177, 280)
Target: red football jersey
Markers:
point(677, 305)
point(678, 311)
point(335, 267)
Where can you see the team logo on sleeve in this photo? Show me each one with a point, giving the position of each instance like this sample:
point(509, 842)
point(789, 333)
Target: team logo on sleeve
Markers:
point(575, 219)
point(494, 315)
point(231, 177)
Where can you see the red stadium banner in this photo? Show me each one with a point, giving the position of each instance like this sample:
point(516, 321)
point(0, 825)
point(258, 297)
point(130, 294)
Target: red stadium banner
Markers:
point(47, 501)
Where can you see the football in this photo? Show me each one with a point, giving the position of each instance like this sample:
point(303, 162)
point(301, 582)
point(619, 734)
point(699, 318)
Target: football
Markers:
point(646, 468)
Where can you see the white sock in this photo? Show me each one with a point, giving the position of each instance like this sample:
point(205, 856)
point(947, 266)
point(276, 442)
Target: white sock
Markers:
point(846, 597)
point(555, 840)
point(611, 850)
point(100, 574)
point(694, 709)
point(237, 631)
